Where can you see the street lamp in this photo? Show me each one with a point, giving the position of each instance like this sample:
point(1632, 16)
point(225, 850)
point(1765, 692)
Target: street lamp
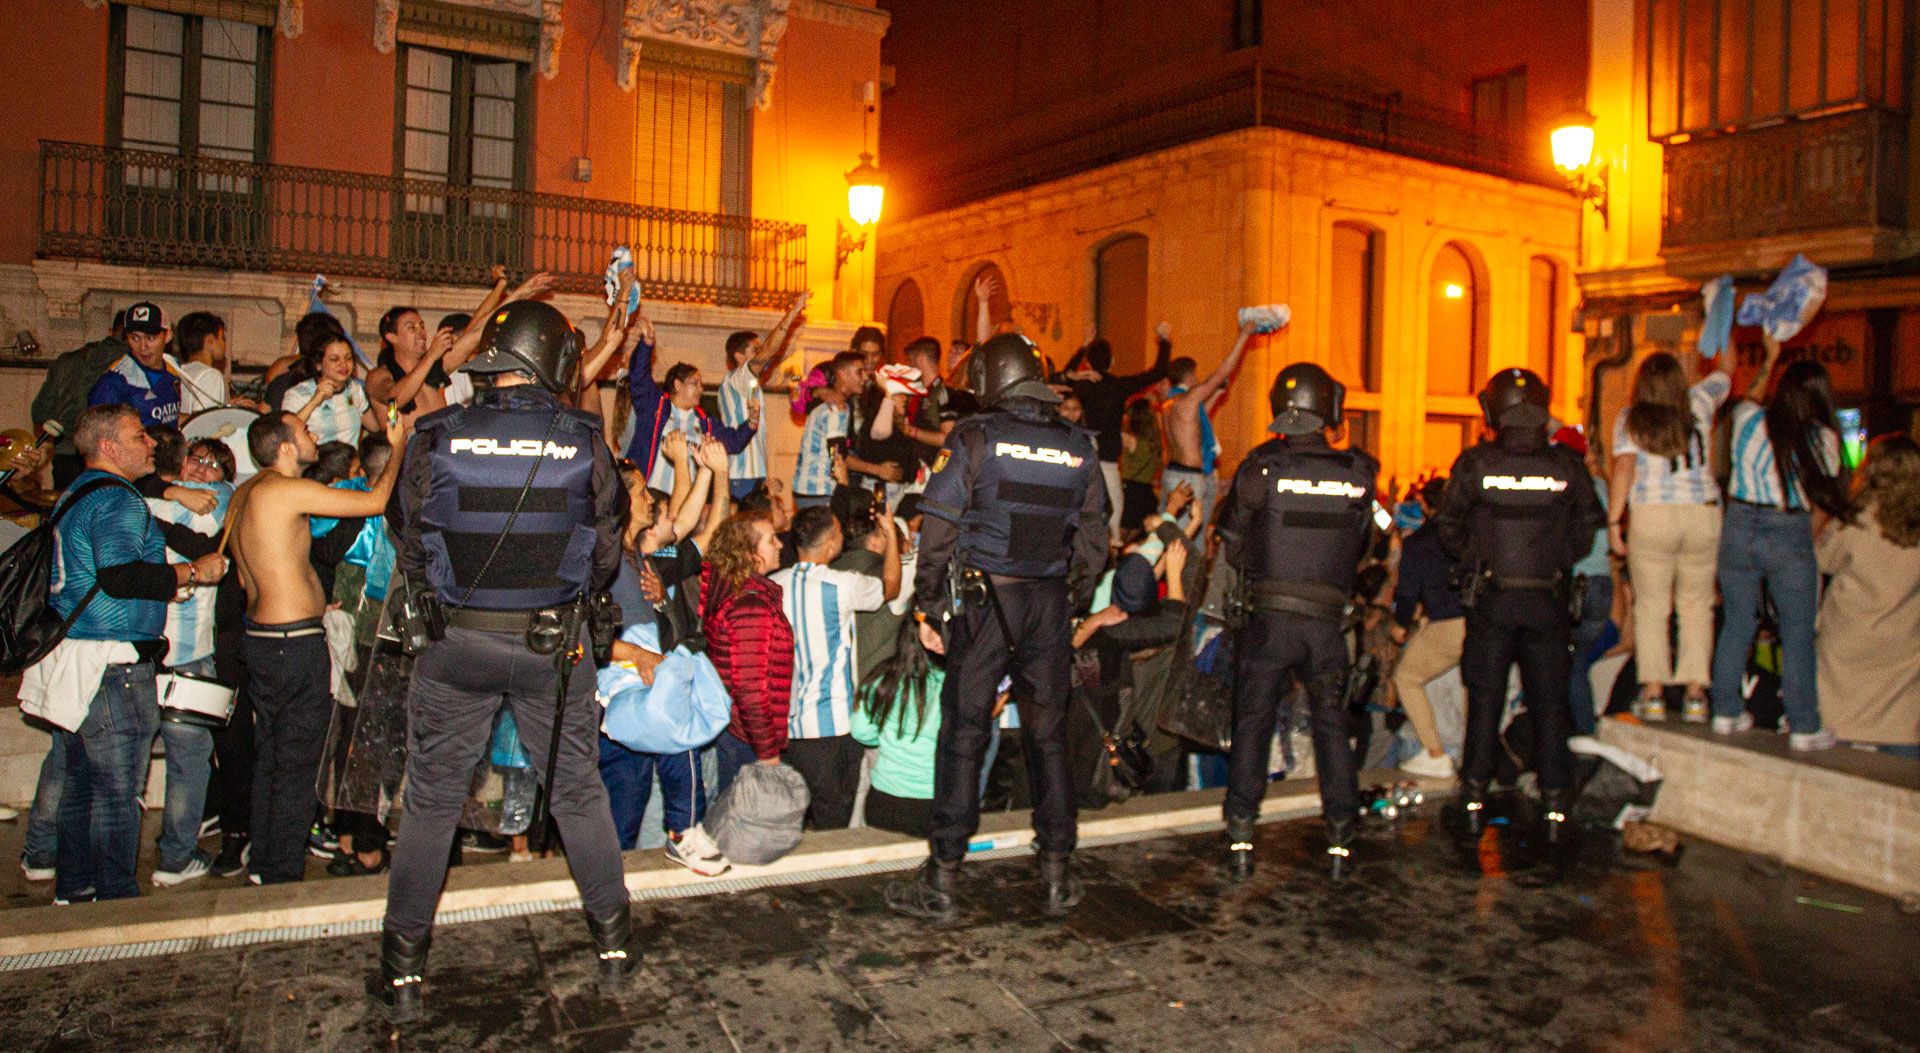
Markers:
point(866, 190)
point(1572, 140)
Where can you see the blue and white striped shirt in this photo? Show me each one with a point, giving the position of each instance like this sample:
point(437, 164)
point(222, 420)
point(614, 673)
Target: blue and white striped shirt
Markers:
point(335, 420)
point(740, 389)
point(190, 621)
point(820, 603)
point(813, 474)
point(1755, 479)
point(1688, 478)
point(109, 527)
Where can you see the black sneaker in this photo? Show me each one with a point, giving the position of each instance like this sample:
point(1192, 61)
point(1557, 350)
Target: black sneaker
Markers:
point(483, 842)
point(322, 842)
point(348, 864)
point(235, 852)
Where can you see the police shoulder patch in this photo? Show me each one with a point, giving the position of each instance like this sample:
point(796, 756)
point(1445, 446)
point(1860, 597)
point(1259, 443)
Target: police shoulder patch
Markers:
point(940, 462)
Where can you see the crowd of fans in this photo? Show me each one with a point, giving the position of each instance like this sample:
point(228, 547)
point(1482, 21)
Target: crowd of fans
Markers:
point(790, 576)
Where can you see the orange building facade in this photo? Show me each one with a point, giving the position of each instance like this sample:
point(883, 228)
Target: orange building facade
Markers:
point(1381, 168)
point(217, 154)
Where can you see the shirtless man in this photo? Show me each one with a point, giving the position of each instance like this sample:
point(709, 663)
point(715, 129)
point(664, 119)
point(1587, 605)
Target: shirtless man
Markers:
point(1191, 446)
point(288, 670)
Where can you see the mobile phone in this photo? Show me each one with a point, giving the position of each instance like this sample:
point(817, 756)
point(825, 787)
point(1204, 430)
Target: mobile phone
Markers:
point(1381, 517)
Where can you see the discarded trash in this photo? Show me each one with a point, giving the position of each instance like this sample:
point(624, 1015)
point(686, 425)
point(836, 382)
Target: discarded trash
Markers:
point(1176, 1005)
point(1844, 908)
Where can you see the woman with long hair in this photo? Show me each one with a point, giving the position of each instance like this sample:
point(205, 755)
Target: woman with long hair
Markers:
point(899, 711)
point(1786, 475)
point(332, 402)
point(749, 640)
point(1663, 478)
point(1870, 615)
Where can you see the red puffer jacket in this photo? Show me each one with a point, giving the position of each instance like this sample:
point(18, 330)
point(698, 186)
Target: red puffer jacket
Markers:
point(751, 644)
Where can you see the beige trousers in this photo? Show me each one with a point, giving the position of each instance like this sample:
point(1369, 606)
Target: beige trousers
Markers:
point(1673, 554)
point(1433, 649)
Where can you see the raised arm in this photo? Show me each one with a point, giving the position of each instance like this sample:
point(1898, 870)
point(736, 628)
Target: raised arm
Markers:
point(314, 499)
point(1208, 388)
point(1133, 383)
point(713, 459)
point(1757, 387)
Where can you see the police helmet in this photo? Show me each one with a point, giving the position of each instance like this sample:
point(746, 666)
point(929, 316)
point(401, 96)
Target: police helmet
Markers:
point(528, 336)
point(1305, 398)
point(1008, 367)
point(1515, 398)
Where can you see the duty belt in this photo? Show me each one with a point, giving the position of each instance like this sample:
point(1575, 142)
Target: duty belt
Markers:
point(1267, 597)
point(480, 620)
point(1504, 581)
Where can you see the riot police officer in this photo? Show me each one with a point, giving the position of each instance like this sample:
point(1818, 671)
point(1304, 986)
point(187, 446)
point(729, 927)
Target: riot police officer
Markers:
point(1296, 525)
point(507, 512)
point(1014, 537)
point(1519, 513)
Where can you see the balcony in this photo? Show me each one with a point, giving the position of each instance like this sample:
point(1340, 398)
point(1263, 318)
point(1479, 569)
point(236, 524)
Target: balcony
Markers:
point(1834, 187)
point(981, 166)
point(152, 209)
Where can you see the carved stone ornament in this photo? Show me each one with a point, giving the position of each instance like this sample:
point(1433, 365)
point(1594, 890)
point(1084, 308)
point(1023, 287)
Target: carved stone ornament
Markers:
point(386, 25)
point(748, 28)
point(290, 19)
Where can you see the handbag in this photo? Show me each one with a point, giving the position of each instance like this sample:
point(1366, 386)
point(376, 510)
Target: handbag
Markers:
point(685, 708)
point(1202, 713)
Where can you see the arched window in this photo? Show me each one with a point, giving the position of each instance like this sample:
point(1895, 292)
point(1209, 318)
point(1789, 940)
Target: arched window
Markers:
point(1355, 306)
point(906, 315)
point(999, 304)
point(1456, 324)
point(1120, 299)
point(1543, 317)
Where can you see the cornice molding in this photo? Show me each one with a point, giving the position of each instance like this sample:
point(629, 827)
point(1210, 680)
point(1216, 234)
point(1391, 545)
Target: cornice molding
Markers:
point(749, 29)
point(543, 13)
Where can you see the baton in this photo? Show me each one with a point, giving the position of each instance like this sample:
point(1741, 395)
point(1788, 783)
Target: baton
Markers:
point(563, 662)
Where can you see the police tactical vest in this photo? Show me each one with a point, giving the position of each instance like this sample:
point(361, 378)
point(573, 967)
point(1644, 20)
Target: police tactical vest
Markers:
point(1523, 513)
point(1311, 523)
point(1025, 506)
point(481, 456)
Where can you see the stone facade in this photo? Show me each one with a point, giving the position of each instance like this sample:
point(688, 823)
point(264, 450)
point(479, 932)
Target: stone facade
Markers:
point(1246, 218)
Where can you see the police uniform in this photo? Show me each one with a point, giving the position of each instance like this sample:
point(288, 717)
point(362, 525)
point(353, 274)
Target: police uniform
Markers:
point(1296, 524)
point(1519, 513)
point(494, 570)
point(1017, 497)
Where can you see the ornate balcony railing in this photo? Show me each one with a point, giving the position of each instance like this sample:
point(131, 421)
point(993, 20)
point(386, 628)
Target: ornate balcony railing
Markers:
point(978, 167)
point(1843, 172)
point(135, 207)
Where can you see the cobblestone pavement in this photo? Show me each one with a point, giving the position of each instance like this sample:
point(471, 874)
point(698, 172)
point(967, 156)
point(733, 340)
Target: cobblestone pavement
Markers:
point(1430, 947)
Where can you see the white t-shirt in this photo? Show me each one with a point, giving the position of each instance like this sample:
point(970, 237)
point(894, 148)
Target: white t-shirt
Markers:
point(201, 387)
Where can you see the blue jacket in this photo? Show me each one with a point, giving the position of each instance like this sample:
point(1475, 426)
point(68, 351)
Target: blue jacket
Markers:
point(1424, 567)
point(650, 414)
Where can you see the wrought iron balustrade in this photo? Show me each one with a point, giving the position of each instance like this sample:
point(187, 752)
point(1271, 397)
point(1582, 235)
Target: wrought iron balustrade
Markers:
point(137, 207)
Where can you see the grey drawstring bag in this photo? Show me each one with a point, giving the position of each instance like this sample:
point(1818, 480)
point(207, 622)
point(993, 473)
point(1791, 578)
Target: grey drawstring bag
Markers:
point(759, 818)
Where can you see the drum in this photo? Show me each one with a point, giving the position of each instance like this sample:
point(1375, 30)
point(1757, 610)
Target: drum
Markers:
point(229, 425)
point(196, 700)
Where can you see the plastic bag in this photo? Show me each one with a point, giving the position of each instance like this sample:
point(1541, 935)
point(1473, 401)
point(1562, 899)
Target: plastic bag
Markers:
point(759, 818)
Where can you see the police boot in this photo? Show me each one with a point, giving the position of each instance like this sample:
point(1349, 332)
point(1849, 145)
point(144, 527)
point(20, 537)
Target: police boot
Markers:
point(1240, 849)
point(1473, 806)
point(1556, 809)
point(1063, 889)
point(396, 991)
point(614, 944)
point(928, 894)
point(1340, 860)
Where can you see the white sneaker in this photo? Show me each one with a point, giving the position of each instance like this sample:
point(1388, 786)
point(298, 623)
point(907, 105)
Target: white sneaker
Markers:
point(1651, 709)
point(697, 852)
point(1694, 710)
point(1732, 725)
point(1429, 766)
point(196, 868)
point(8, 815)
point(34, 873)
point(1812, 740)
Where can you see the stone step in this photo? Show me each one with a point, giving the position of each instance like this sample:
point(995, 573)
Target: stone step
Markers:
point(1845, 814)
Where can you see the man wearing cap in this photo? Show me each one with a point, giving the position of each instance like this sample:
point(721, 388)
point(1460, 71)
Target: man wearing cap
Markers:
point(1519, 513)
point(508, 512)
point(1295, 526)
point(143, 378)
point(1013, 538)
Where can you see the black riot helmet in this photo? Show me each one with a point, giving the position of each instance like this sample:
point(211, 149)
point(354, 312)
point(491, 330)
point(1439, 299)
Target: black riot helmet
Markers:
point(528, 336)
point(1008, 367)
point(1515, 398)
point(1304, 399)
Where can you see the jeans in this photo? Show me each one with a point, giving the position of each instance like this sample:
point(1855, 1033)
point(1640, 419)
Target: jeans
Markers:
point(41, 844)
point(629, 778)
point(189, 763)
point(1206, 489)
point(1596, 610)
point(1766, 545)
point(106, 764)
point(731, 754)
